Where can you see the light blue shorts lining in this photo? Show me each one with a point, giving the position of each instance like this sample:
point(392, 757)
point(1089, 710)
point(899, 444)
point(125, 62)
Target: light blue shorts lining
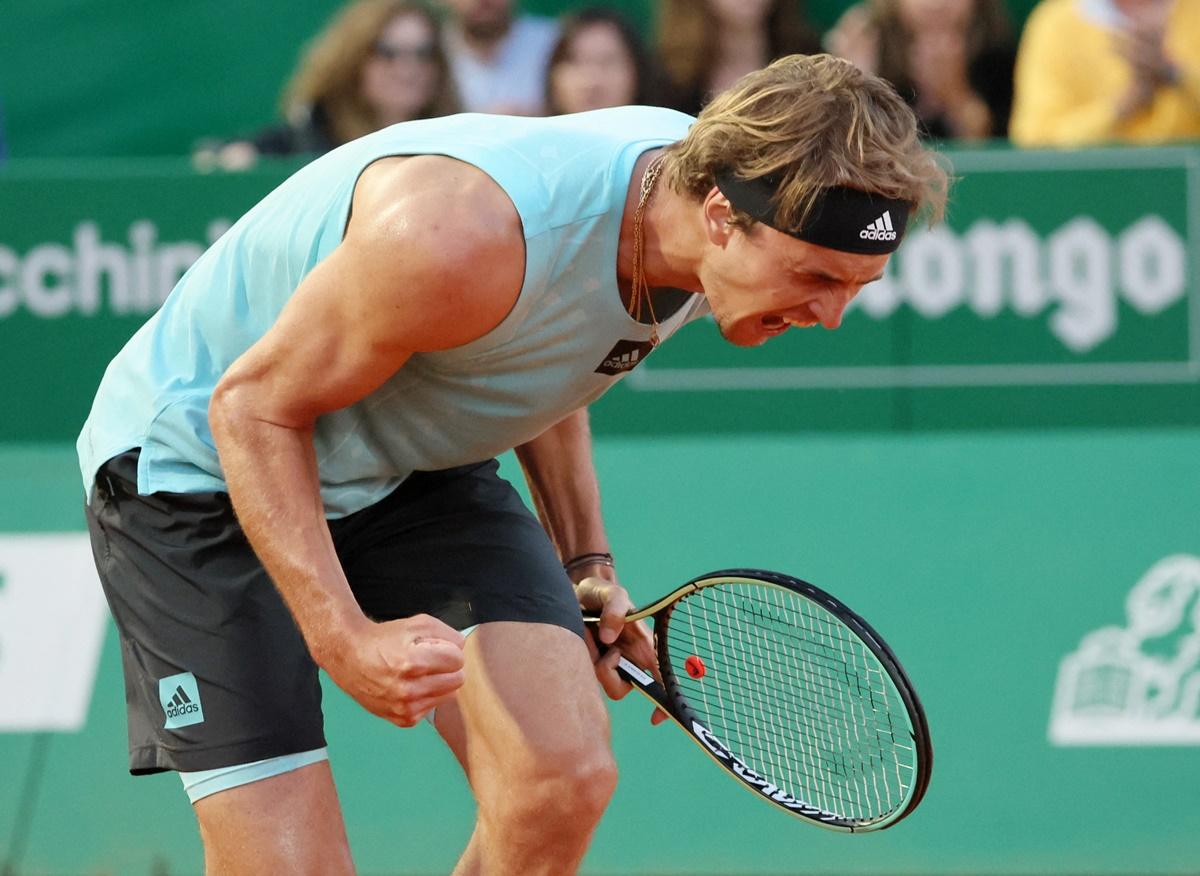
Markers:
point(205, 782)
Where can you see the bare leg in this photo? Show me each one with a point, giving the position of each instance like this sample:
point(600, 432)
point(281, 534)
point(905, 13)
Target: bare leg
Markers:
point(448, 720)
point(532, 733)
point(290, 823)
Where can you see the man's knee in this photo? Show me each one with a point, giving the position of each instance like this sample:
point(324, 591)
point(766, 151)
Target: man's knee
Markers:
point(587, 785)
point(567, 791)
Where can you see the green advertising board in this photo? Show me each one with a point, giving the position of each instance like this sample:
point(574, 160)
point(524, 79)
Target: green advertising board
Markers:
point(88, 250)
point(1061, 290)
point(1052, 269)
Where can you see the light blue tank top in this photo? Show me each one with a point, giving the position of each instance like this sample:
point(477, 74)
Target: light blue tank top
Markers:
point(563, 344)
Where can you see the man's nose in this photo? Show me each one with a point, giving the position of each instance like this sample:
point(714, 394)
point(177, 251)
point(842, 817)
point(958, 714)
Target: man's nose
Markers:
point(829, 308)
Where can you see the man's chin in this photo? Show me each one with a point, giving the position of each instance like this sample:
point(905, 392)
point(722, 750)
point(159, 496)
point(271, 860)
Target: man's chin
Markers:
point(741, 338)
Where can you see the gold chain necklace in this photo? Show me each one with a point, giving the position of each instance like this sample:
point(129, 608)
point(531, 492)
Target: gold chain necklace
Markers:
point(640, 290)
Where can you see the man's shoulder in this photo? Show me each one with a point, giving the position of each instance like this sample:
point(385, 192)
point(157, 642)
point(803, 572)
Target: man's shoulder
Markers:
point(442, 237)
point(455, 207)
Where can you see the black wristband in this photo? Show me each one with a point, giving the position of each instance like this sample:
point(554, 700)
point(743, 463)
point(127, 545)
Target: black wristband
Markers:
point(592, 559)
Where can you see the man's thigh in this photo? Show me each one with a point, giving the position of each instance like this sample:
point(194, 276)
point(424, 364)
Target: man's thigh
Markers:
point(290, 823)
point(530, 706)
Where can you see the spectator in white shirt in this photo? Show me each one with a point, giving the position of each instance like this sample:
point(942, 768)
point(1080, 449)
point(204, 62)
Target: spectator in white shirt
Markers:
point(498, 58)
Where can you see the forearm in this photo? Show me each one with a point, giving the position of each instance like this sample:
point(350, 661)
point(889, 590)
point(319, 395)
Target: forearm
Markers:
point(271, 473)
point(562, 480)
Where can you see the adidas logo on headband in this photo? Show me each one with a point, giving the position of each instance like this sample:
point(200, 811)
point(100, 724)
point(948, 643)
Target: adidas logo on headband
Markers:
point(880, 229)
point(837, 218)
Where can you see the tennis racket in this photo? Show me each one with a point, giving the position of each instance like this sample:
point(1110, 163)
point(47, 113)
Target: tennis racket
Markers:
point(792, 693)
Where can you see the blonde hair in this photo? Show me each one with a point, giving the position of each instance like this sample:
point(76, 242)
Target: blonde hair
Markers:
point(329, 76)
point(812, 121)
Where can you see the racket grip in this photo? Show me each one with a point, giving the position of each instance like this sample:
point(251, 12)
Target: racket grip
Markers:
point(633, 673)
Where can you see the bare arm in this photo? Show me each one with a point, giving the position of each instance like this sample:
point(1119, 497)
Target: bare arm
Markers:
point(403, 280)
point(562, 480)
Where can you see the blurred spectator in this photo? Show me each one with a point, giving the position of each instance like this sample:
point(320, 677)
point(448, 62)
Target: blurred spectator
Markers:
point(499, 59)
point(599, 61)
point(1091, 71)
point(952, 60)
point(707, 45)
point(377, 63)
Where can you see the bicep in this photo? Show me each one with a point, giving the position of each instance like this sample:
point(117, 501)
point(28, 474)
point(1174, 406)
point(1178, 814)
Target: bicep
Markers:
point(334, 342)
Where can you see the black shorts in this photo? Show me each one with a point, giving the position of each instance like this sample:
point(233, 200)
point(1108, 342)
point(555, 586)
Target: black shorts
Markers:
point(216, 671)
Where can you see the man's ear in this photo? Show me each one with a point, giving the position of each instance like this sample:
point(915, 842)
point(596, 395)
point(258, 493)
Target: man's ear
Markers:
point(717, 212)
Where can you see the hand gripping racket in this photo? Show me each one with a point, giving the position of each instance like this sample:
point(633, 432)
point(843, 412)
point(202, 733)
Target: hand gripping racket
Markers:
point(794, 694)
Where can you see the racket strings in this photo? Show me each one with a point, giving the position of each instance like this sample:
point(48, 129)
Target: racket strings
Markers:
point(796, 696)
point(829, 724)
point(787, 755)
point(812, 755)
point(826, 725)
point(825, 684)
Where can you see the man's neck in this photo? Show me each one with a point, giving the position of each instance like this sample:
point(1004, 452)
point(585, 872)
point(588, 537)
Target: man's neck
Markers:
point(670, 235)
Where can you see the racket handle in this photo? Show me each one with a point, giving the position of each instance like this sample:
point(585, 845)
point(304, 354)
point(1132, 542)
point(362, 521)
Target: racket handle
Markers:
point(646, 683)
point(633, 673)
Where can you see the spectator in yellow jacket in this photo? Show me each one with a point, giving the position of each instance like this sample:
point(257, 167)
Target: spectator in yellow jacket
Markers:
point(1094, 71)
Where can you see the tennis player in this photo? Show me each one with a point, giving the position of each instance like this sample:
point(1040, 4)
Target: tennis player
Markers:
point(291, 467)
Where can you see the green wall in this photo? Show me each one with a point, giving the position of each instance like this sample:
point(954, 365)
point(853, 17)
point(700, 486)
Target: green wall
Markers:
point(983, 558)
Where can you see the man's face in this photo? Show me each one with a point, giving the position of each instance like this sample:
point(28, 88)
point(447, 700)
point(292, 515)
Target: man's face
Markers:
point(761, 282)
point(483, 18)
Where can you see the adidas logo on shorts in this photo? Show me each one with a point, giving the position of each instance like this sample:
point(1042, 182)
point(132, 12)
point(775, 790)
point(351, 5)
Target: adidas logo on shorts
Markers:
point(880, 229)
point(180, 699)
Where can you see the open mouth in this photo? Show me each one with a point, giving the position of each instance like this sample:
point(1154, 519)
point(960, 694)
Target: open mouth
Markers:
point(776, 325)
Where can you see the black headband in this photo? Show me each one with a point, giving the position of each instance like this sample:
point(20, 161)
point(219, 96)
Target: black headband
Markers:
point(842, 218)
